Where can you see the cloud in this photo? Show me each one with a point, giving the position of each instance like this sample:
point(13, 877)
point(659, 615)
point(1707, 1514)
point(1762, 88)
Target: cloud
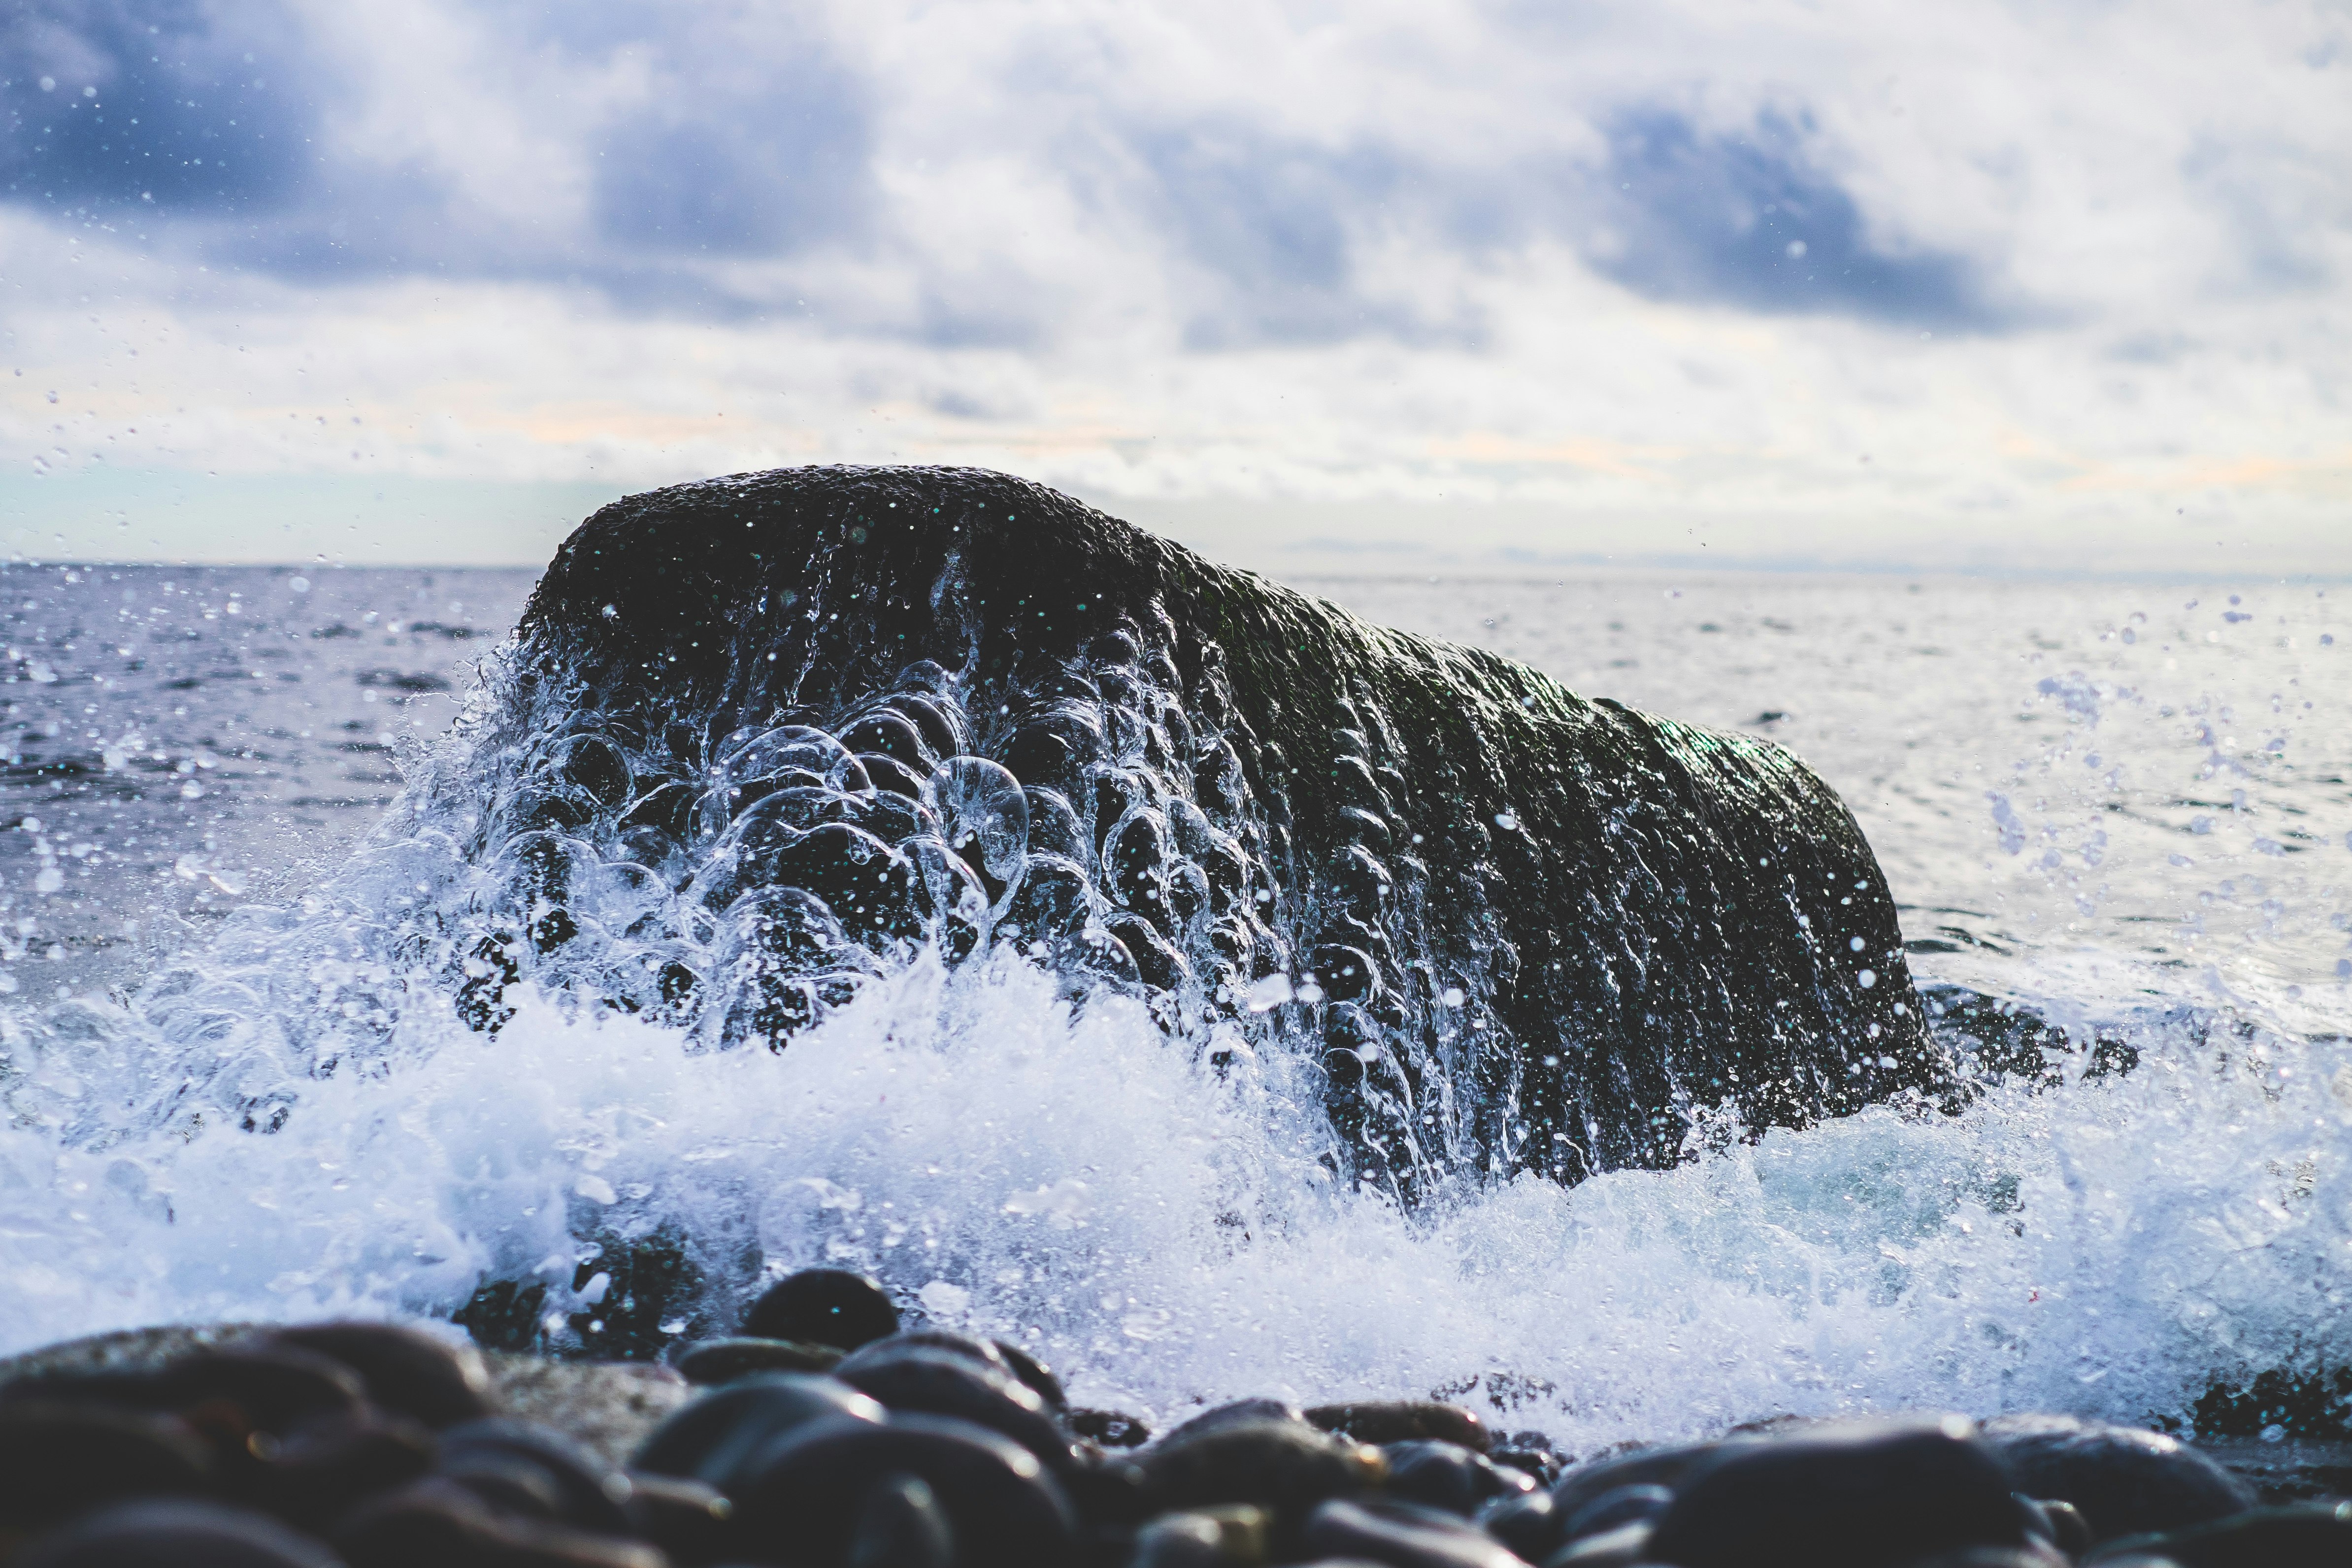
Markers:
point(1749, 220)
point(1448, 253)
point(196, 109)
point(771, 162)
point(1269, 221)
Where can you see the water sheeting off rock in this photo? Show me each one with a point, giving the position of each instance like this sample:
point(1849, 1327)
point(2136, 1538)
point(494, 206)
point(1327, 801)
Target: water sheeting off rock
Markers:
point(774, 734)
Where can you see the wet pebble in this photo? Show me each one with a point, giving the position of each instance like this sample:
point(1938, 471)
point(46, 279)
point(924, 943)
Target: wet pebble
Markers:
point(1401, 1535)
point(805, 1500)
point(1404, 1421)
point(901, 1524)
point(1449, 1477)
point(2306, 1535)
point(825, 1307)
point(59, 1459)
point(1287, 1466)
point(178, 1532)
point(1864, 1495)
point(2125, 1481)
point(402, 1370)
point(714, 1439)
point(938, 1382)
point(723, 1361)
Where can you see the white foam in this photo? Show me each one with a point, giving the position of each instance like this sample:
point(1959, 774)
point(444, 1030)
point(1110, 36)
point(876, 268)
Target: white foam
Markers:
point(1164, 1234)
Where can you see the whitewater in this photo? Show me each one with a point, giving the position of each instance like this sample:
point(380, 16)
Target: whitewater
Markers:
point(2121, 808)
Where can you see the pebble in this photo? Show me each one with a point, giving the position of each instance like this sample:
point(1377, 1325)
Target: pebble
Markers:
point(354, 1445)
point(2303, 1535)
point(180, 1532)
point(940, 1383)
point(1286, 1467)
point(1851, 1496)
point(708, 1361)
point(1449, 1477)
point(825, 1307)
point(1404, 1421)
point(1618, 1507)
point(1234, 1536)
point(805, 1500)
point(2125, 1481)
point(402, 1370)
point(1402, 1535)
point(714, 1439)
point(901, 1524)
point(58, 1461)
point(1237, 1413)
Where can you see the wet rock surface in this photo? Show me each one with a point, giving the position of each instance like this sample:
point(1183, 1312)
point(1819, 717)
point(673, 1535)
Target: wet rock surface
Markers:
point(782, 731)
point(351, 1445)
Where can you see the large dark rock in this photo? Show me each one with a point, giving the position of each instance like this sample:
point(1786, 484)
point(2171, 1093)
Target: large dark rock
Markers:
point(1521, 929)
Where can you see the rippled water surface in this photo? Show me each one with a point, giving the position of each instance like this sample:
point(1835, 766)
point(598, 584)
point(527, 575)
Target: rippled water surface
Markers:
point(2124, 806)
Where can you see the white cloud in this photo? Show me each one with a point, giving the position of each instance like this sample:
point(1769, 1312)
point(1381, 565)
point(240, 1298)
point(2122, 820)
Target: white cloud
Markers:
point(1590, 278)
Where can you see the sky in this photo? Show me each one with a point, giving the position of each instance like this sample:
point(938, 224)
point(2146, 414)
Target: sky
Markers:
point(1372, 287)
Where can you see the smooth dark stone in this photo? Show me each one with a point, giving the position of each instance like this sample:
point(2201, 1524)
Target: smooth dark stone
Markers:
point(1664, 1465)
point(1231, 1536)
point(1528, 1523)
point(1108, 1490)
point(900, 1524)
point(927, 1342)
point(595, 1495)
point(1110, 1429)
point(823, 1306)
point(2303, 1535)
point(58, 1461)
point(1237, 1413)
point(941, 1383)
point(270, 1388)
point(691, 1523)
point(1449, 1477)
point(1404, 1421)
point(1872, 1495)
point(1622, 1547)
point(403, 1369)
point(802, 1503)
point(723, 1361)
point(1633, 906)
point(2126, 1480)
point(1402, 1536)
point(1286, 1466)
point(712, 1438)
point(1541, 1464)
point(176, 1534)
point(437, 1522)
point(519, 1487)
point(322, 1467)
point(1614, 1509)
point(2070, 1532)
point(1617, 1508)
point(1035, 1374)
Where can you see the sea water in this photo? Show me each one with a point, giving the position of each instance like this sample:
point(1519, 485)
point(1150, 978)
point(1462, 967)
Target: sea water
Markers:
point(2122, 807)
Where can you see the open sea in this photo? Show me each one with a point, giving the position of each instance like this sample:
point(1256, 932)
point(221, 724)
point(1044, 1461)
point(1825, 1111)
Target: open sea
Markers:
point(2122, 809)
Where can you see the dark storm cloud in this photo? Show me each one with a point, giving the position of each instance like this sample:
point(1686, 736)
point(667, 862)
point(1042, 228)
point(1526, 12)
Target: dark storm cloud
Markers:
point(193, 109)
point(1747, 220)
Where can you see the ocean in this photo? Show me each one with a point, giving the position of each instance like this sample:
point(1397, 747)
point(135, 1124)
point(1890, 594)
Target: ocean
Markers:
point(2116, 815)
